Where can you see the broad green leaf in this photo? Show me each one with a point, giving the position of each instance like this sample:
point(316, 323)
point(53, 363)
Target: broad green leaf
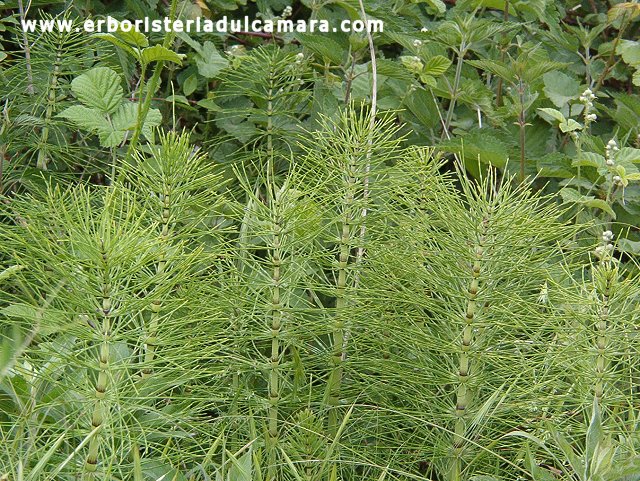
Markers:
point(630, 10)
point(412, 63)
point(428, 80)
point(437, 5)
point(479, 146)
point(571, 195)
point(117, 42)
point(555, 164)
point(549, 114)
point(630, 52)
point(500, 69)
point(124, 120)
point(393, 69)
point(589, 159)
point(323, 46)
point(210, 63)
point(158, 53)
point(99, 88)
point(560, 88)
point(437, 65)
point(190, 84)
point(628, 154)
point(136, 39)
point(569, 126)
point(85, 118)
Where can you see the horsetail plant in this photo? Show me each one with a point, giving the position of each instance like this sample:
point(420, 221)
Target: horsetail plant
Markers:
point(347, 150)
point(182, 189)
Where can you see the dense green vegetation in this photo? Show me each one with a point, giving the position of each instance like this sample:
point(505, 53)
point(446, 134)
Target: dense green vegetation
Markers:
point(405, 255)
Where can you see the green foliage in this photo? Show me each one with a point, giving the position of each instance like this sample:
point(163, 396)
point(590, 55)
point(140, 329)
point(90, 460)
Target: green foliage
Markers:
point(410, 255)
point(103, 110)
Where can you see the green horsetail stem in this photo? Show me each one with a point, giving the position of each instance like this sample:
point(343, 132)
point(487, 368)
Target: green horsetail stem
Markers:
point(156, 304)
point(99, 407)
point(276, 325)
point(601, 328)
point(334, 384)
point(51, 101)
point(463, 394)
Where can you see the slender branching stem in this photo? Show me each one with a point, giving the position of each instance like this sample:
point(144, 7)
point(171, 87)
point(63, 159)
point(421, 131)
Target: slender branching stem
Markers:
point(610, 61)
point(27, 51)
point(51, 101)
point(152, 87)
point(521, 126)
point(100, 408)
point(463, 394)
point(156, 304)
point(276, 325)
point(372, 124)
point(344, 250)
point(456, 85)
point(601, 328)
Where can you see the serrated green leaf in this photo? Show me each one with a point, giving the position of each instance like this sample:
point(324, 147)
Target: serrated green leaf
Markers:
point(210, 63)
point(569, 126)
point(125, 120)
point(117, 42)
point(158, 53)
point(628, 154)
point(437, 65)
point(495, 67)
point(85, 118)
point(630, 52)
point(560, 88)
point(437, 5)
point(323, 46)
point(137, 39)
point(99, 88)
point(589, 159)
point(551, 114)
point(555, 164)
point(572, 196)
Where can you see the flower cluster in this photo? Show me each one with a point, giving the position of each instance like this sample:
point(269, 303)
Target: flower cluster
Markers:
point(286, 13)
point(413, 63)
point(609, 152)
point(607, 247)
point(587, 99)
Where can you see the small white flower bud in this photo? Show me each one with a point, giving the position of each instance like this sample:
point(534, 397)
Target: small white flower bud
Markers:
point(424, 29)
point(609, 247)
point(612, 143)
point(607, 236)
point(617, 179)
point(417, 43)
point(599, 251)
point(610, 162)
point(591, 117)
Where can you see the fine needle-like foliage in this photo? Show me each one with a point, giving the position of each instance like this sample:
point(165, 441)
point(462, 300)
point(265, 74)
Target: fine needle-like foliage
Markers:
point(364, 316)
